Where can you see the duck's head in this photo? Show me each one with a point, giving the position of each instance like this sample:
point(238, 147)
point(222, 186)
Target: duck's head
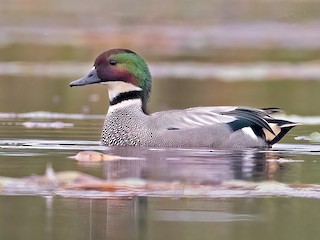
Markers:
point(122, 71)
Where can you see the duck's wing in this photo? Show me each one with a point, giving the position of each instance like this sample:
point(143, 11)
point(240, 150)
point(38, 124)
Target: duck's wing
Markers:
point(194, 117)
point(237, 118)
point(202, 116)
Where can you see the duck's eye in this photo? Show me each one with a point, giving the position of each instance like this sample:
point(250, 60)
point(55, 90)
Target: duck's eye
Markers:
point(113, 62)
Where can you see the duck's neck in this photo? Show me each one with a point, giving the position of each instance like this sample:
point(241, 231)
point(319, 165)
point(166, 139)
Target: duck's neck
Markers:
point(123, 95)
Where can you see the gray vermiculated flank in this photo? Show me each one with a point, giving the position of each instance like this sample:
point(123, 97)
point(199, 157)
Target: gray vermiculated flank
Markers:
point(129, 126)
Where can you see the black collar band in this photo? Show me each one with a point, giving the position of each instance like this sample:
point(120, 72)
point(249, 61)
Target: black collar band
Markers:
point(126, 96)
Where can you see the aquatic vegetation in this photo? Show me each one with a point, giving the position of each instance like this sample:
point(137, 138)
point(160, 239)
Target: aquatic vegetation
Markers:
point(77, 184)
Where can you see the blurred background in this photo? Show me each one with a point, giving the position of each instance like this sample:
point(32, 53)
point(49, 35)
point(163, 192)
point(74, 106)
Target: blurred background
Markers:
point(259, 53)
point(245, 52)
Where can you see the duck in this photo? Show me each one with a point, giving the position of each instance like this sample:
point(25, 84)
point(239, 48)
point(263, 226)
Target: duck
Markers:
point(128, 122)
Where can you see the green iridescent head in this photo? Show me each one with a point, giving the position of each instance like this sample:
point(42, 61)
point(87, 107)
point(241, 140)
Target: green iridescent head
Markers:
point(119, 65)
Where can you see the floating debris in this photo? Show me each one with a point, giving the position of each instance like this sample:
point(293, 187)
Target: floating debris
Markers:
point(283, 160)
point(93, 156)
point(46, 184)
point(79, 185)
point(56, 125)
point(313, 137)
point(48, 115)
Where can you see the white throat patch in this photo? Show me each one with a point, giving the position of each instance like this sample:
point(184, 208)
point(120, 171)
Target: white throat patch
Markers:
point(117, 87)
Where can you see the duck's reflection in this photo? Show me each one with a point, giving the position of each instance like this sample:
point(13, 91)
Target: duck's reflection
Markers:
point(151, 217)
point(191, 166)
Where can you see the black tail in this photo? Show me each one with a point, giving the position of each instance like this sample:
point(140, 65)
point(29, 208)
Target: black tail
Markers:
point(280, 128)
point(262, 124)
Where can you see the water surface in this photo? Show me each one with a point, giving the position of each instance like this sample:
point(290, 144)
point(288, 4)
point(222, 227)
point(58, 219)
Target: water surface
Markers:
point(191, 203)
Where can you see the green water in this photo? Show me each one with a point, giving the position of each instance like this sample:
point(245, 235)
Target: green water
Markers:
point(153, 218)
point(54, 95)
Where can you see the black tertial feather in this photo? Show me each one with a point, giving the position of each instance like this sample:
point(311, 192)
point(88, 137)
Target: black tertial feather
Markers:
point(248, 116)
point(243, 123)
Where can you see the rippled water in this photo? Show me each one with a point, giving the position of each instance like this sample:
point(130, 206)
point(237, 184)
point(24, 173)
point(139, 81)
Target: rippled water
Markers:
point(154, 193)
point(190, 193)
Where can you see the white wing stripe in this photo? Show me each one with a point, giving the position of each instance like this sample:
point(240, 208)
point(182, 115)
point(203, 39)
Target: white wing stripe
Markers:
point(248, 131)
